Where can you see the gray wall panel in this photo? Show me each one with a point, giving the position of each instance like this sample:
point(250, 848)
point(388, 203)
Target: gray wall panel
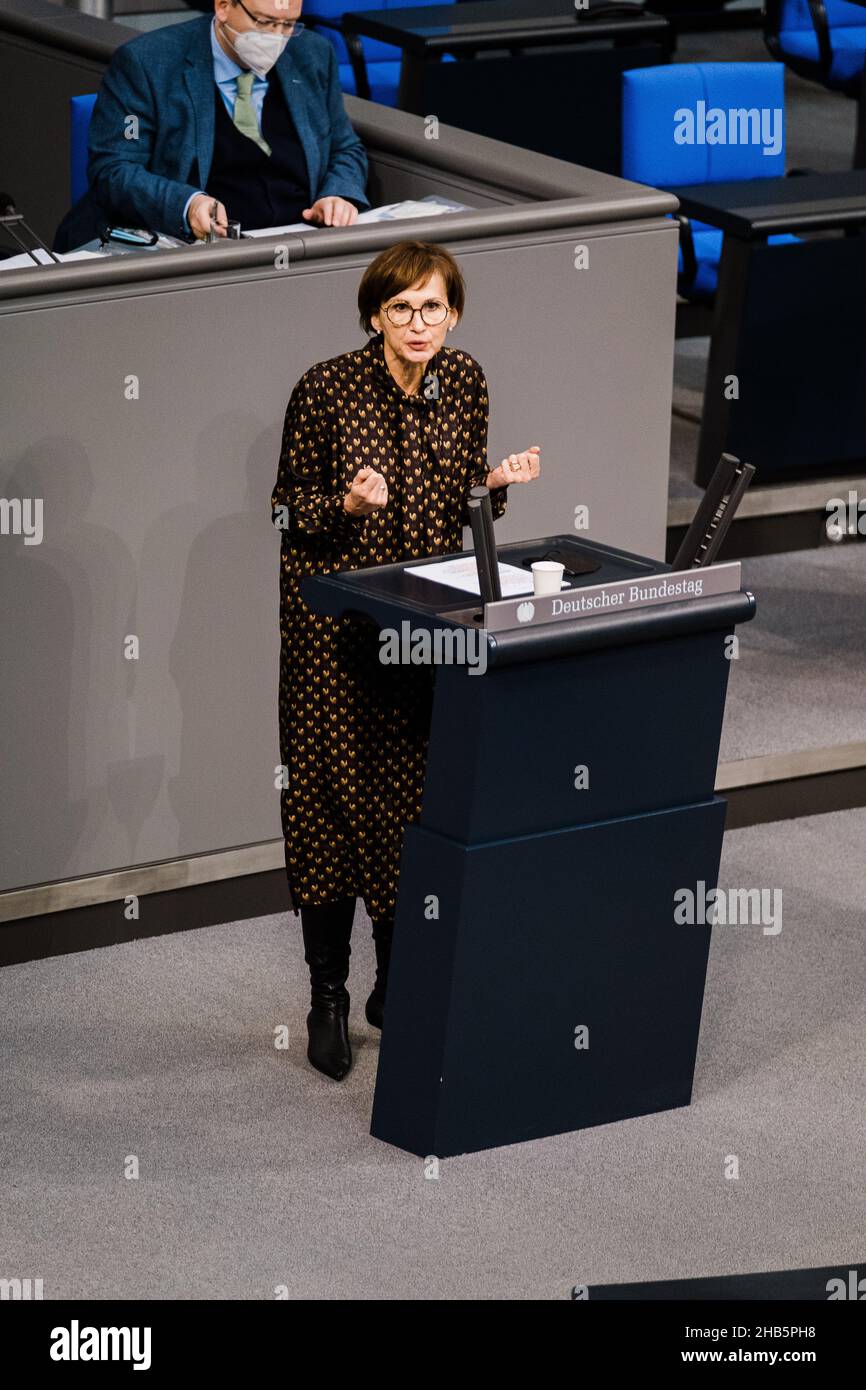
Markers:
point(393, 180)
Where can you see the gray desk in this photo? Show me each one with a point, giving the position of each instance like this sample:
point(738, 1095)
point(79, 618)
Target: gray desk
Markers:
point(137, 775)
point(798, 411)
point(548, 77)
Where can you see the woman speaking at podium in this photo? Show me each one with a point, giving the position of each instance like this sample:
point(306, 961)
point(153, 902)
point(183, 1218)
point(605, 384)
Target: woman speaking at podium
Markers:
point(380, 449)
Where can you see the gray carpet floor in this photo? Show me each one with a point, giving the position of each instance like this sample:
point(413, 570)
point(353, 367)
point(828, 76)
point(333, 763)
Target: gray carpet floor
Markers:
point(256, 1172)
point(801, 673)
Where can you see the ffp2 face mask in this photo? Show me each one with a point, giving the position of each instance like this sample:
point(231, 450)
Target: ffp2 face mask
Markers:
point(258, 52)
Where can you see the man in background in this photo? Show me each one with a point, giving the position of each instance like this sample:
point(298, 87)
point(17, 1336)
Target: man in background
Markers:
point(234, 115)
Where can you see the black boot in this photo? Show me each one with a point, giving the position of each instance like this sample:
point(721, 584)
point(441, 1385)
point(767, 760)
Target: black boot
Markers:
point(375, 1010)
point(327, 931)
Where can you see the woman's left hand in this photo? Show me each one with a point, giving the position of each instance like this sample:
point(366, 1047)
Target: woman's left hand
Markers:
point(517, 468)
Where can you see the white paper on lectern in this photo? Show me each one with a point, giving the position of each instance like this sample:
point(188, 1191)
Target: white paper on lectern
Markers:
point(463, 574)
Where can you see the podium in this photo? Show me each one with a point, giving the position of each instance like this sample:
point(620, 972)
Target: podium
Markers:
point(539, 982)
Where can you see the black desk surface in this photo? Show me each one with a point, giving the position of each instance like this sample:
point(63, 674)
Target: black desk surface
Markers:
point(499, 24)
point(397, 588)
point(756, 207)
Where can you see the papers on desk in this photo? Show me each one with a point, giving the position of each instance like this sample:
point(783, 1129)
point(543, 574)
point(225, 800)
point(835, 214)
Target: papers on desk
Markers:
point(463, 574)
point(23, 262)
point(412, 207)
point(391, 212)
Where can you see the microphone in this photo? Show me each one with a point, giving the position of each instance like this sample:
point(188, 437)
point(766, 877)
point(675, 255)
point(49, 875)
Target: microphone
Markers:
point(703, 540)
point(481, 520)
point(10, 218)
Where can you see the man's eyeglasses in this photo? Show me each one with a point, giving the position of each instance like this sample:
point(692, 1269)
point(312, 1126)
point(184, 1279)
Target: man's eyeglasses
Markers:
point(287, 27)
point(432, 311)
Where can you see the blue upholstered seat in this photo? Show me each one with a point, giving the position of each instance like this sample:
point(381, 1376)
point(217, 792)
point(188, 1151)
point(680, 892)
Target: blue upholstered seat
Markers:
point(825, 43)
point(80, 111)
point(658, 150)
point(384, 79)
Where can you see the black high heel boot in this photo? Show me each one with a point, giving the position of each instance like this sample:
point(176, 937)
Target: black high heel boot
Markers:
point(327, 931)
point(382, 935)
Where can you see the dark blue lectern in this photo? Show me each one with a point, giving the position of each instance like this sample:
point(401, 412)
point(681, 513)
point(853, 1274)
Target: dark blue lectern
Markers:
point(539, 980)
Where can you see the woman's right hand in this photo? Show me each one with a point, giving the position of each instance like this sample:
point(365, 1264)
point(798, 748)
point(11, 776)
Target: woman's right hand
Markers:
point(368, 493)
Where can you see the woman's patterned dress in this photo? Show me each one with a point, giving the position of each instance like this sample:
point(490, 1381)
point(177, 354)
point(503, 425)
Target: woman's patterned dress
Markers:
point(353, 732)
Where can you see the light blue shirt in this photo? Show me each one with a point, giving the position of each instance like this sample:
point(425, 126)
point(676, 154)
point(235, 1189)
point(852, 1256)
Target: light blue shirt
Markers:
point(226, 72)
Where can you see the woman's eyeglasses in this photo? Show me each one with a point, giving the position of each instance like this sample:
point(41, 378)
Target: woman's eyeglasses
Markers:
point(432, 311)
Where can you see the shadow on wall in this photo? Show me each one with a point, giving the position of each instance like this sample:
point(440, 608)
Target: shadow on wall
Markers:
point(66, 687)
point(94, 762)
point(226, 639)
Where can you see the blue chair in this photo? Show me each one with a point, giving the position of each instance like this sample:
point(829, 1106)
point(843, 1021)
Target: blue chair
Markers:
point(824, 40)
point(80, 111)
point(653, 100)
point(368, 68)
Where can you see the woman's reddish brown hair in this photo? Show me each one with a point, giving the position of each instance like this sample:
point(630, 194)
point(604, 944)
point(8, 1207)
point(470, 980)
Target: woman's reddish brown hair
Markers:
point(402, 267)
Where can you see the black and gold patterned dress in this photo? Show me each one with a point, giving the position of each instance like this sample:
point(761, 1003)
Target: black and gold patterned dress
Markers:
point(354, 732)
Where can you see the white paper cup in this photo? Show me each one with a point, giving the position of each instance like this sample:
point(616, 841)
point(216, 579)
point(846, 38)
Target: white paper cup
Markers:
point(547, 577)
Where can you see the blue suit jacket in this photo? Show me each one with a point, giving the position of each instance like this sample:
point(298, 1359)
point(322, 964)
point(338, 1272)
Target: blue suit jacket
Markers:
point(166, 80)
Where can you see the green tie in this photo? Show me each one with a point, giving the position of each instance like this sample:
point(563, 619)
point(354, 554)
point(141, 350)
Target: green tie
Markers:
point(245, 113)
